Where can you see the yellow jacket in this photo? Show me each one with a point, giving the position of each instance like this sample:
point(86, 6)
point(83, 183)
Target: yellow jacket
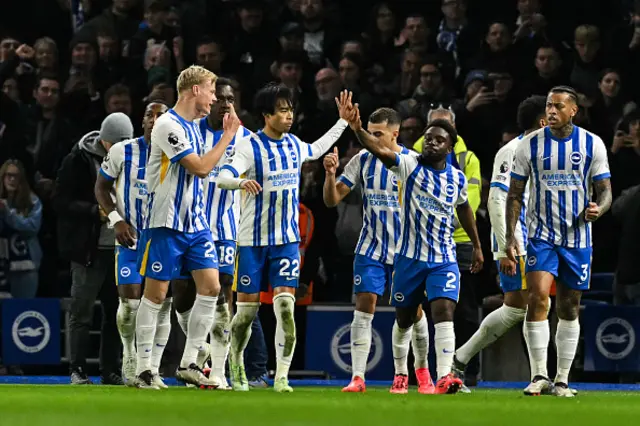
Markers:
point(470, 166)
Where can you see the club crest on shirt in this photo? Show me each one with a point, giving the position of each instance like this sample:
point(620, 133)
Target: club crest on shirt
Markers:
point(576, 158)
point(230, 151)
point(450, 189)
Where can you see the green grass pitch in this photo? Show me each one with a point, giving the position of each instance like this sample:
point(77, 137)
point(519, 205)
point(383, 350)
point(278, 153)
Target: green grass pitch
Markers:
point(117, 406)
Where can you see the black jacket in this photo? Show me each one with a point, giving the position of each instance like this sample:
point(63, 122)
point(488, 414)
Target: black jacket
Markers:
point(626, 209)
point(75, 203)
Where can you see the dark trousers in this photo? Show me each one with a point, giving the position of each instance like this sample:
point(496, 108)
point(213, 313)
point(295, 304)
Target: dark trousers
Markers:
point(87, 285)
point(255, 354)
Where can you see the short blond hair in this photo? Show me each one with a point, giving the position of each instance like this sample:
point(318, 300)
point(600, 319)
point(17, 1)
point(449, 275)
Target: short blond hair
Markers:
point(193, 76)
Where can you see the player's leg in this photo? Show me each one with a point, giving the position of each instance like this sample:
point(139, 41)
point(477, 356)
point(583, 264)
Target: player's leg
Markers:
point(443, 289)
point(573, 278)
point(499, 321)
point(161, 250)
point(247, 284)
point(542, 265)
point(407, 294)
point(420, 345)
point(201, 261)
point(368, 283)
point(129, 291)
point(220, 336)
point(163, 331)
point(284, 272)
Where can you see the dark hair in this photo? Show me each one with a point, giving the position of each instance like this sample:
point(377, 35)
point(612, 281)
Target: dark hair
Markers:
point(529, 112)
point(389, 115)
point(117, 89)
point(157, 101)
point(291, 57)
point(223, 81)
point(447, 127)
point(511, 128)
point(267, 98)
point(606, 71)
point(46, 76)
point(355, 59)
point(417, 117)
point(566, 89)
point(209, 40)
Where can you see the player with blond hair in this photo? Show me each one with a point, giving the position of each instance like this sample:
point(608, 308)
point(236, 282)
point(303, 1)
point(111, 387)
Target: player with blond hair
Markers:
point(177, 234)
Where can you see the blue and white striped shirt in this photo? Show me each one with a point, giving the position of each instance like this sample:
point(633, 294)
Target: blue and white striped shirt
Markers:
point(381, 208)
point(175, 196)
point(221, 206)
point(126, 164)
point(561, 174)
point(428, 198)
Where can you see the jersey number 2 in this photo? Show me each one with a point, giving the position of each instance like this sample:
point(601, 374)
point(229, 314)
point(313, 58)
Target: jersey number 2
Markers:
point(450, 284)
point(284, 266)
point(210, 249)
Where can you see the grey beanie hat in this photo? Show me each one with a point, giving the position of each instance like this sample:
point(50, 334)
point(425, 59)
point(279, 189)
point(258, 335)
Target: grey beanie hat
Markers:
point(115, 128)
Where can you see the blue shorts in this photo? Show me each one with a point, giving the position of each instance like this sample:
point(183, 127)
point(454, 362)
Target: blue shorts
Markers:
point(168, 252)
point(370, 276)
point(518, 281)
point(260, 266)
point(226, 251)
point(126, 266)
point(571, 266)
point(413, 280)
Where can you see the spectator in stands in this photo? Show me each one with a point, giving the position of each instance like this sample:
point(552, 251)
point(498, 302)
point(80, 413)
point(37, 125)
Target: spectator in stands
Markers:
point(20, 219)
point(380, 40)
point(626, 210)
point(625, 153)
point(120, 17)
point(404, 83)
point(10, 88)
point(611, 103)
point(244, 115)
point(411, 129)
point(89, 243)
point(531, 24)
point(46, 55)
point(152, 28)
point(549, 73)
point(210, 54)
point(416, 34)
point(456, 36)
point(321, 41)
point(589, 60)
point(118, 99)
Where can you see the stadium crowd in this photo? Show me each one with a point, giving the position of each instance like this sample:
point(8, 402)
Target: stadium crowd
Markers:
point(67, 64)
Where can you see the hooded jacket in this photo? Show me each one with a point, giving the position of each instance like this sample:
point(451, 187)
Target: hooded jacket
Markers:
point(79, 224)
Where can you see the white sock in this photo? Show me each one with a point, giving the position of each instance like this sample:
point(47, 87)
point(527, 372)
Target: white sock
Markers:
point(145, 331)
point(401, 340)
point(126, 321)
point(163, 329)
point(220, 340)
point(241, 330)
point(445, 343)
point(283, 306)
point(183, 321)
point(491, 329)
point(567, 336)
point(537, 338)
point(360, 342)
point(420, 343)
point(200, 323)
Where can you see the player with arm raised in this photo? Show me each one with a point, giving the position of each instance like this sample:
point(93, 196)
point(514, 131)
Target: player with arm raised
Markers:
point(268, 239)
point(373, 264)
point(512, 275)
point(125, 166)
point(177, 235)
point(425, 262)
point(563, 164)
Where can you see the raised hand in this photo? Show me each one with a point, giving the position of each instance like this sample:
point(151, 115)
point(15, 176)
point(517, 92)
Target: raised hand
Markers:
point(331, 162)
point(231, 122)
point(344, 104)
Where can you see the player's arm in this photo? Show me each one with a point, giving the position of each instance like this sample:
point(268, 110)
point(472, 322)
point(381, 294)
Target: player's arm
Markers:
point(519, 176)
point(468, 222)
point(371, 143)
point(601, 178)
point(497, 203)
point(242, 160)
point(202, 166)
point(334, 191)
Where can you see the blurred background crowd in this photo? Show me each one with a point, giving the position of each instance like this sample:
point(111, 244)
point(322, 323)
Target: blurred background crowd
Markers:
point(66, 64)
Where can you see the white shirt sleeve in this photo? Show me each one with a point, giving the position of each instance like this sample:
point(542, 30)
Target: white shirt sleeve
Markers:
point(497, 206)
point(462, 195)
point(317, 149)
point(239, 162)
point(600, 166)
point(521, 168)
point(405, 165)
point(502, 167)
point(171, 138)
point(112, 163)
point(352, 172)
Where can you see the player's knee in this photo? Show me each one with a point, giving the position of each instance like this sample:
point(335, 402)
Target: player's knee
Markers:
point(567, 310)
point(537, 303)
point(405, 318)
point(442, 310)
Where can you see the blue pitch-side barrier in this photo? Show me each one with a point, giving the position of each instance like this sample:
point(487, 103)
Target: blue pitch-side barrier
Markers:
point(64, 380)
